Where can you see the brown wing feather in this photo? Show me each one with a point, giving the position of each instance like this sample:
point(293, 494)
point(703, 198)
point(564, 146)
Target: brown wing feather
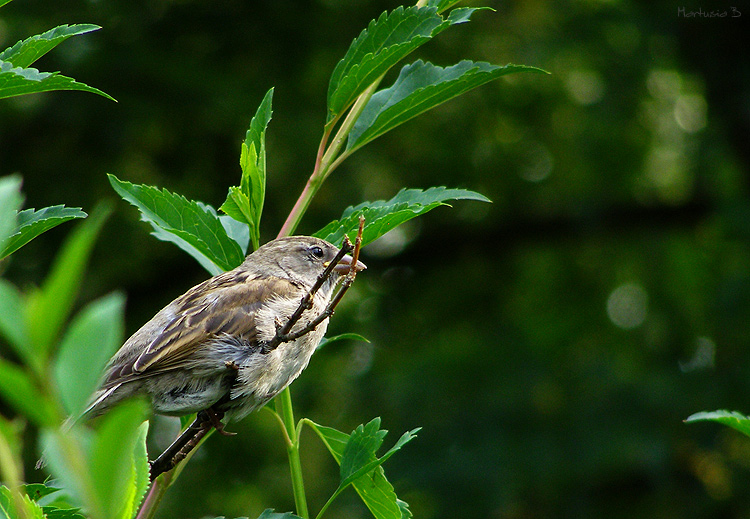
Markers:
point(225, 304)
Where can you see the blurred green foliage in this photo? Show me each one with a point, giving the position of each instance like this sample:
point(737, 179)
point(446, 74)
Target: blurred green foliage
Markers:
point(550, 344)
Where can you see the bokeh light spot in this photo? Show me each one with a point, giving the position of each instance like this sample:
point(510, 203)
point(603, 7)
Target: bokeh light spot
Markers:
point(627, 306)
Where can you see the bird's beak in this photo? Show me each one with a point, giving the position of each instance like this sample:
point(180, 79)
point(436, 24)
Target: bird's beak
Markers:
point(345, 264)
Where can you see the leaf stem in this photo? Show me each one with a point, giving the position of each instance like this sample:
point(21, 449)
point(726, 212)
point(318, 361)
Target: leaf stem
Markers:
point(328, 160)
point(328, 503)
point(277, 417)
point(331, 158)
point(284, 409)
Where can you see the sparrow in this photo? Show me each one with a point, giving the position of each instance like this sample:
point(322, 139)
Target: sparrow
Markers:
point(213, 347)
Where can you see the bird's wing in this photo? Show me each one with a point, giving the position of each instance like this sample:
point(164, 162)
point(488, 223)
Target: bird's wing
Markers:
point(225, 304)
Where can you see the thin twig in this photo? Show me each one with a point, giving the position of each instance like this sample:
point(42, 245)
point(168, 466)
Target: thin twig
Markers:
point(283, 332)
point(348, 280)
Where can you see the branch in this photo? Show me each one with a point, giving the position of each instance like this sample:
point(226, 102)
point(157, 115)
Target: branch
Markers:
point(283, 332)
point(348, 280)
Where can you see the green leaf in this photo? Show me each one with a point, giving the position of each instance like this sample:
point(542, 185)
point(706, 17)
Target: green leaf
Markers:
point(359, 454)
point(245, 202)
point(26, 52)
point(106, 470)
point(52, 512)
point(93, 336)
point(333, 439)
point(732, 419)
point(384, 42)
point(112, 459)
point(47, 309)
point(11, 449)
point(256, 134)
point(36, 491)
point(237, 231)
point(374, 489)
point(139, 478)
point(187, 420)
point(344, 336)
point(442, 5)
point(12, 324)
point(419, 87)
point(3, 2)
point(31, 223)
point(10, 502)
point(16, 81)
point(270, 514)
point(192, 226)
point(142, 468)
point(18, 389)
point(67, 461)
point(382, 216)
point(360, 450)
point(10, 203)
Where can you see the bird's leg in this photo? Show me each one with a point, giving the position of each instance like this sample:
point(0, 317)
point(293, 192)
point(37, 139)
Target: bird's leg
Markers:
point(205, 421)
point(169, 458)
point(214, 419)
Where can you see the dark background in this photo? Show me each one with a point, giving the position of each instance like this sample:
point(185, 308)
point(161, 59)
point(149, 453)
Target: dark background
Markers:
point(550, 344)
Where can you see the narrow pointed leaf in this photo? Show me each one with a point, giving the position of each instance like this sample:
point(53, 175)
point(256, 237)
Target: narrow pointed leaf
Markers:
point(421, 86)
point(244, 203)
point(192, 226)
point(384, 42)
point(138, 479)
point(12, 324)
point(344, 336)
point(270, 514)
point(26, 52)
point(363, 443)
point(36, 491)
point(16, 81)
point(359, 455)
point(442, 5)
point(141, 465)
point(67, 461)
point(49, 307)
point(237, 231)
point(10, 502)
point(112, 458)
point(334, 440)
point(732, 419)
point(31, 223)
point(375, 490)
point(256, 133)
point(93, 336)
point(10, 203)
point(382, 216)
point(17, 388)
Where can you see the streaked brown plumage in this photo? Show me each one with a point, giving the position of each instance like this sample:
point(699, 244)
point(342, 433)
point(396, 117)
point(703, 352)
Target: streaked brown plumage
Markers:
point(207, 348)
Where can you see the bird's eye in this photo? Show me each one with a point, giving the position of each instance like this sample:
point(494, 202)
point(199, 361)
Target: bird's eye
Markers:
point(317, 252)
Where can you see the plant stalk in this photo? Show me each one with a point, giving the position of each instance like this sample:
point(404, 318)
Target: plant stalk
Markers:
point(325, 162)
point(154, 496)
point(285, 410)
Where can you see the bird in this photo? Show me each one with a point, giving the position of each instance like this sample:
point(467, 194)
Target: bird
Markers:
point(215, 348)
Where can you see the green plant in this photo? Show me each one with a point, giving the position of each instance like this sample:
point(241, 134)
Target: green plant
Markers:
point(92, 463)
point(17, 77)
point(357, 113)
